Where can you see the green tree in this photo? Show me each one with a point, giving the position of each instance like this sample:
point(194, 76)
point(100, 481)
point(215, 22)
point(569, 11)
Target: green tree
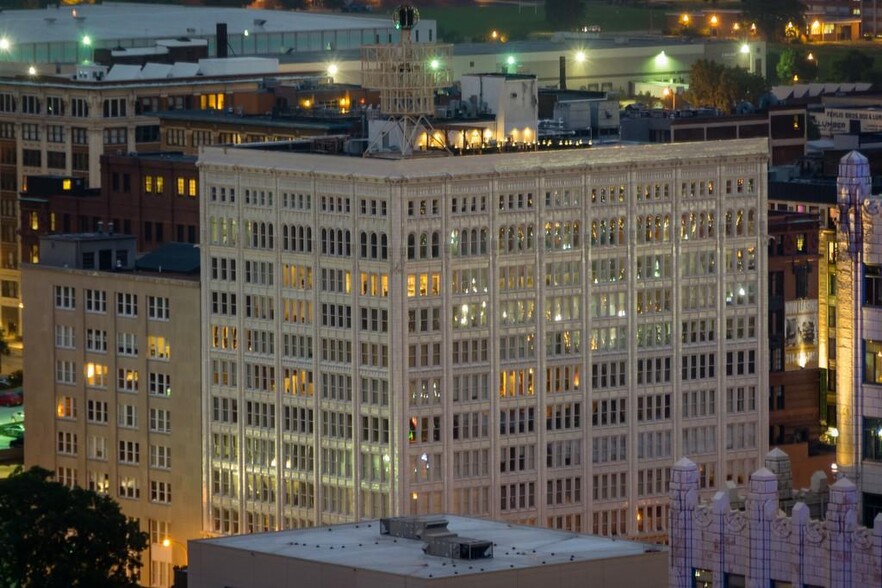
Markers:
point(771, 18)
point(796, 62)
point(714, 84)
point(854, 66)
point(786, 65)
point(52, 535)
point(564, 14)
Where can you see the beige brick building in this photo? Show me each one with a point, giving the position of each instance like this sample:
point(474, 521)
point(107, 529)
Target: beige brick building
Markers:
point(113, 398)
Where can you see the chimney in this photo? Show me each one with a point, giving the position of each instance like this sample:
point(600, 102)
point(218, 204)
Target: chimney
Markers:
point(563, 72)
point(221, 40)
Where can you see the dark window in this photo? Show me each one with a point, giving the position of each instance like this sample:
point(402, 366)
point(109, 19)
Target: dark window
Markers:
point(802, 281)
point(127, 183)
point(873, 439)
point(32, 157)
point(873, 362)
point(872, 285)
point(56, 159)
point(147, 134)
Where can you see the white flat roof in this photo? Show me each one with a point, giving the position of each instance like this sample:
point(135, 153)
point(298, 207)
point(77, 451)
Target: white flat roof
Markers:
point(148, 21)
point(421, 167)
point(360, 545)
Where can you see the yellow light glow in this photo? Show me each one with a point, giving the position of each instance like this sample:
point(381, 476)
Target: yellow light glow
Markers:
point(736, 27)
point(494, 35)
point(32, 71)
point(332, 69)
point(685, 19)
point(166, 542)
point(816, 26)
point(414, 496)
point(714, 21)
point(745, 49)
point(580, 57)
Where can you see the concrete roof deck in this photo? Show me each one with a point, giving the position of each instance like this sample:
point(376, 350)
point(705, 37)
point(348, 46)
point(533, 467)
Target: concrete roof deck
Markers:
point(360, 545)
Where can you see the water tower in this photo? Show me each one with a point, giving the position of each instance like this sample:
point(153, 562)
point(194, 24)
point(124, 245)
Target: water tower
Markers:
point(407, 75)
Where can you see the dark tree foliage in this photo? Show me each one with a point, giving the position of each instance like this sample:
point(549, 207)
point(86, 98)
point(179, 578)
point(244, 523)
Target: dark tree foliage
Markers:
point(771, 17)
point(52, 535)
point(564, 14)
point(854, 66)
point(714, 84)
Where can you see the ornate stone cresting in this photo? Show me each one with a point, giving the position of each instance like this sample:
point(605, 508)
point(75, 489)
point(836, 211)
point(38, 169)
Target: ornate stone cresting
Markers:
point(760, 544)
point(684, 499)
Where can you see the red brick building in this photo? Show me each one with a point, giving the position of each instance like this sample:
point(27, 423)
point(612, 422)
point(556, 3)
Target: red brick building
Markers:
point(153, 197)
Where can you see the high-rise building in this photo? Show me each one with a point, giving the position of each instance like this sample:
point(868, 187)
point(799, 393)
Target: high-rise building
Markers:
point(858, 333)
point(530, 337)
point(106, 407)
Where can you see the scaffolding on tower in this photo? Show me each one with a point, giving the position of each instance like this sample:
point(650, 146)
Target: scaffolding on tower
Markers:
point(406, 75)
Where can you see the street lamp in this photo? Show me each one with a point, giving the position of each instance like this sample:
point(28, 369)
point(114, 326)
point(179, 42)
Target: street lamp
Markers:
point(170, 544)
point(666, 92)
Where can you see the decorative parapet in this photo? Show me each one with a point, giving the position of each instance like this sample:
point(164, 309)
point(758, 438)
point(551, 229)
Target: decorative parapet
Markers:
point(761, 545)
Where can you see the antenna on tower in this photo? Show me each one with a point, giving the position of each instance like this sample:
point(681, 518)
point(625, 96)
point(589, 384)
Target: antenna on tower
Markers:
point(407, 76)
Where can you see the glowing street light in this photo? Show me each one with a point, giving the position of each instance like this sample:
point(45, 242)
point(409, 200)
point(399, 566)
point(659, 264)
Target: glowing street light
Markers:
point(662, 60)
point(745, 49)
point(667, 92)
point(435, 64)
point(510, 60)
point(332, 69)
point(5, 45)
point(580, 57)
point(32, 71)
point(87, 41)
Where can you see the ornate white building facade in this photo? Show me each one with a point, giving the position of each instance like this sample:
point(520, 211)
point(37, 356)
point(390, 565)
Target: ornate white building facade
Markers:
point(713, 544)
point(530, 337)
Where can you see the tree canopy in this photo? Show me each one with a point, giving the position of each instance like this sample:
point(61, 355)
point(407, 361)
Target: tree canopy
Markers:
point(854, 66)
point(799, 63)
point(564, 14)
point(52, 535)
point(714, 84)
point(771, 18)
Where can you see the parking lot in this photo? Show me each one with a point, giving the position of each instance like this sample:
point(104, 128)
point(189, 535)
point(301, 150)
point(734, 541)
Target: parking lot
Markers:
point(9, 415)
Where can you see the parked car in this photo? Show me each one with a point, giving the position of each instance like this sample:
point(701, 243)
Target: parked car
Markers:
point(11, 399)
point(17, 442)
point(5, 381)
point(14, 430)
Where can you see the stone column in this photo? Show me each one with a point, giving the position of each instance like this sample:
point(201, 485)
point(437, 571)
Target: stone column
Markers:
point(684, 500)
point(778, 463)
point(841, 521)
point(762, 509)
